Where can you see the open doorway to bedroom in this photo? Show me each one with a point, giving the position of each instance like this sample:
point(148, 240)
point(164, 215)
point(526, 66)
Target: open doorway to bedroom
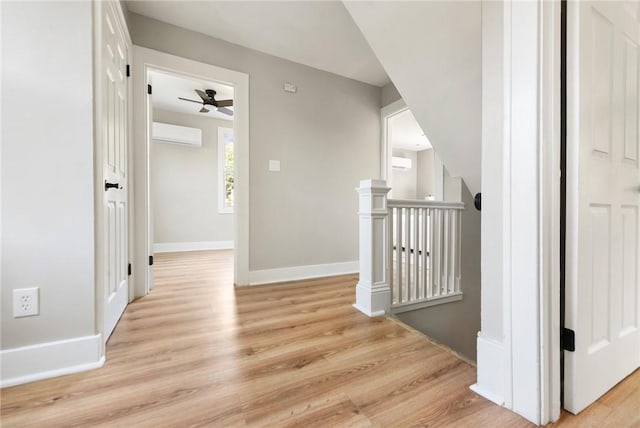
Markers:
point(410, 165)
point(191, 176)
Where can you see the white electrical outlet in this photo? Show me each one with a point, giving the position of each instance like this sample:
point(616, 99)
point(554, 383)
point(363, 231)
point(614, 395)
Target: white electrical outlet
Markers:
point(25, 302)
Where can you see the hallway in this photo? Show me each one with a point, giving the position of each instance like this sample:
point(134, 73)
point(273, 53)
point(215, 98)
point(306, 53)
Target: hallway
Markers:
point(197, 352)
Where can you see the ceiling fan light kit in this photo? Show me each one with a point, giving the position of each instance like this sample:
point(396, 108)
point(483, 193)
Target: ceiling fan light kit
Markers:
point(208, 97)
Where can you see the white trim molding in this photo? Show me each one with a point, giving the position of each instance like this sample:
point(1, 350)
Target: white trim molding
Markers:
point(492, 378)
point(294, 273)
point(518, 346)
point(386, 113)
point(50, 359)
point(173, 247)
point(148, 60)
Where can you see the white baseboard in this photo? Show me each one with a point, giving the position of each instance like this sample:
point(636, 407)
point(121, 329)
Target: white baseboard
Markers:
point(267, 276)
point(172, 247)
point(50, 359)
point(491, 370)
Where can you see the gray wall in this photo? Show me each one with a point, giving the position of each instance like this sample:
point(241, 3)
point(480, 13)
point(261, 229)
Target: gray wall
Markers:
point(417, 182)
point(389, 94)
point(404, 181)
point(326, 136)
point(185, 184)
point(425, 173)
point(47, 170)
point(456, 324)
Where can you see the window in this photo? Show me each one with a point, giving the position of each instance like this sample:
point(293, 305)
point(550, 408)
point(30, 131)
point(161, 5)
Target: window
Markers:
point(225, 170)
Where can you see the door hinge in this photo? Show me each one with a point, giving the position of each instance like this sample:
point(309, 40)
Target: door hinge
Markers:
point(149, 91)
point(128, 70)
point(150, 260)
point(129, 270)
point(568, 340)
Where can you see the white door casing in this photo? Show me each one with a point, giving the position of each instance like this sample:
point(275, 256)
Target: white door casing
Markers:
point(145, 61)
point(603, 198)
point(113, 126)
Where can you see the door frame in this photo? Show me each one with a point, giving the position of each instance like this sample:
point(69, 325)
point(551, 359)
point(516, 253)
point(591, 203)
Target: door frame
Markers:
point(386, 113)
point(519, 342)
point(98, 151)
point(146, 60)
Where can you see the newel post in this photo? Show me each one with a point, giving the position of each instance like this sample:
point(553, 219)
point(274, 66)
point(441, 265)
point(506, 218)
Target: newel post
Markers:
point(373, 294)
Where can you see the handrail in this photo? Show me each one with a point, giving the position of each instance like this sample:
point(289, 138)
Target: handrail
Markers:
point(409, 203)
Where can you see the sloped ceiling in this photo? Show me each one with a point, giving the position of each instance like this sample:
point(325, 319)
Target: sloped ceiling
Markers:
point(432, 53)
point(319, 34)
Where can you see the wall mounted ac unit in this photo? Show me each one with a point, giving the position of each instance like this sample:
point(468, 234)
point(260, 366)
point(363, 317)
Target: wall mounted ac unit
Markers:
point(174, 134)
point(400, 163)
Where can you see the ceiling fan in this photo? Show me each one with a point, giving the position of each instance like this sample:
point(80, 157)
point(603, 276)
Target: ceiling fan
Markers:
point(209, 100)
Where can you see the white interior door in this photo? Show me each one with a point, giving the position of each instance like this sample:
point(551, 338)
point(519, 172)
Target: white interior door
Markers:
point(603, 188)
point(114, 137)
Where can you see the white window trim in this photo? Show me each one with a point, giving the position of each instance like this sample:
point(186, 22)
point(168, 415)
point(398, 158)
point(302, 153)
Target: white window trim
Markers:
point(222, 209)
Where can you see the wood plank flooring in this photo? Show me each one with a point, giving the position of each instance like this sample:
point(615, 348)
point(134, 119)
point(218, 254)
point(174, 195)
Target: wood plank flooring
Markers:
point(197, 352)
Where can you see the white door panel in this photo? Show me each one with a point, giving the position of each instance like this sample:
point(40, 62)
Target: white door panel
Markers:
point(114, 137)
point(603, 198)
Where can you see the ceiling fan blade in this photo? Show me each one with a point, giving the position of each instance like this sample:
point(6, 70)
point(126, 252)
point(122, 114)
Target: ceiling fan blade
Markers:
point(204, 110)
point(226, 111)
point(186, 99)
point(204, 96)
point(225, 103)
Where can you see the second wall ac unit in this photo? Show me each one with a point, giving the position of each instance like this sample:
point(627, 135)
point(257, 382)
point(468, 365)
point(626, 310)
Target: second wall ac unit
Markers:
point(174, 134)
point(400, 163)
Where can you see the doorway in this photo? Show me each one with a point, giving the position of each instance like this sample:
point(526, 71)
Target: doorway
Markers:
point(409, 163)
point(150, 69)
point(191, 166)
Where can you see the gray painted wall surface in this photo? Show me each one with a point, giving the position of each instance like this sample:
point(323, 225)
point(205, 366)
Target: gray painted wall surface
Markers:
point(404, 181)
point(47, 170)
point(185, 184)
point(417, 182)
point(326, 136)
point(425, 174)
point(457, 324)
point(389, 94)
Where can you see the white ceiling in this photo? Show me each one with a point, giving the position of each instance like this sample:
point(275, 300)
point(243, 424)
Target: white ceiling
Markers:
point(406, 134)
point(167, 88)
point(320, 34)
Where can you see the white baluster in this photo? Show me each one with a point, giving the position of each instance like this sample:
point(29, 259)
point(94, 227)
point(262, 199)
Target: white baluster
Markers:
point(416, 253)
point(393, 212)
point(425, 251)
point(399, 252)
point(407, 252)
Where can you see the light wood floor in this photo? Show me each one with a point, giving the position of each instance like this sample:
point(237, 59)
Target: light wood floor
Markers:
point(197, 352)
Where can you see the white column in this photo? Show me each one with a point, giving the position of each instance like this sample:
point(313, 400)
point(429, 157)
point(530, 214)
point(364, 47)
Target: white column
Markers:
point(373, 294)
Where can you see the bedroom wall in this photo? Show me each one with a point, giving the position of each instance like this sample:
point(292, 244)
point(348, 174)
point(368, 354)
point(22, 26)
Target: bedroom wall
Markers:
point(404, 180)
point(326, 137)
point(185, 187)
point(47, 176)
point(425, 174)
